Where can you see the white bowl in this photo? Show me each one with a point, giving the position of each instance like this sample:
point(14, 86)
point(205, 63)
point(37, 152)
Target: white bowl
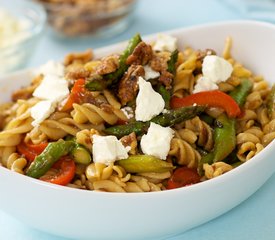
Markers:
point(85, 214)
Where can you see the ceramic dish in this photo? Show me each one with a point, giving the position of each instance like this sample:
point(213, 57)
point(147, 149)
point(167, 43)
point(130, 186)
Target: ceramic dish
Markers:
point(84, 214)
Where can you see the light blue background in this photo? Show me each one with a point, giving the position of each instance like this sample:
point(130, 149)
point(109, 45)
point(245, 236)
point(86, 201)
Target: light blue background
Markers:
point(254, 218)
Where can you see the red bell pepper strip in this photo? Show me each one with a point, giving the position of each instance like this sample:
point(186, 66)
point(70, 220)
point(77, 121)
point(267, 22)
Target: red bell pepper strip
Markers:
point(77, 93)
point(213, 98)
point(182, 177)
point(64, 171)
point(30, 151)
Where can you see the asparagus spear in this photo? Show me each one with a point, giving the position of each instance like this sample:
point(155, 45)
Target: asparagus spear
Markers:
point(165, 119)
point(144, 163)
point(48, 157)
point(172, 62)
point(53, 152)
point(112, 78)
point(166, 95)
point(171, 67)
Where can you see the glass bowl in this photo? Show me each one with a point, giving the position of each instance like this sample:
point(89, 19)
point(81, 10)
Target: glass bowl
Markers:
point(77, 18)
point(27, 20)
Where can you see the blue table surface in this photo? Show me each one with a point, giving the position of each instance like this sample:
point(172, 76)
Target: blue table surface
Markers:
point(254, 218)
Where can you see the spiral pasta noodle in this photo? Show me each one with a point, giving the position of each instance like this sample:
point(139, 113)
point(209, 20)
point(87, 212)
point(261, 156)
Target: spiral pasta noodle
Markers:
point(16, 163)
point(184, 153)
point(269, 133)
point(203, 131)
point(216, 169)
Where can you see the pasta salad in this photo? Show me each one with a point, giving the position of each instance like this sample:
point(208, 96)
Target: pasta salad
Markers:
point(153, 117)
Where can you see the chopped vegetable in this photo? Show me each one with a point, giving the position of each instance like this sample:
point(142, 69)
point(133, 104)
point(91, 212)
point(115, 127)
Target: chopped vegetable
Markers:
point(125, 129)
point(52, 153)
point(175, 116)
point(172, 62)
point(240, 93)
point(166, 119)
point(144, 163)
point(63, 172)
point(166, 95)
point(30, 151)
point(96, 85)
point(112, 78)
point(225, 141)
point(81, 154)
point(76, 95)
point(213, 98)
point(162, 90)
point(183, 176)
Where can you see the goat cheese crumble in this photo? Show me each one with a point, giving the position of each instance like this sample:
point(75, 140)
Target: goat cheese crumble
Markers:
point(52, 90)
point(157, 141)
point(215, 69)
point(108, 149)
point(148, 102)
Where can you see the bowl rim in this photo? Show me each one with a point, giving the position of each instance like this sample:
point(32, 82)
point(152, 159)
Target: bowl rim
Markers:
point(195, 187)
point(34, 31)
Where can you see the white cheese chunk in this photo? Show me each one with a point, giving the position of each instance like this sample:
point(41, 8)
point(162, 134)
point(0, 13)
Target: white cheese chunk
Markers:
point(148, 102)
point(150, 73)
point(51, 68)
point(204, 84)
point(165, 43)
point(41, 111)
point(52, 88)
point(108, 149)
point(216, 68)
point(157, 141)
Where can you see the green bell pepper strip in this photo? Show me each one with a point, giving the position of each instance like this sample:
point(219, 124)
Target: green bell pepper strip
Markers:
point(112, 78)
point(144, 163)
point(165, 119)
point(225, 134)
point(271, 103)
point(43, 162)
